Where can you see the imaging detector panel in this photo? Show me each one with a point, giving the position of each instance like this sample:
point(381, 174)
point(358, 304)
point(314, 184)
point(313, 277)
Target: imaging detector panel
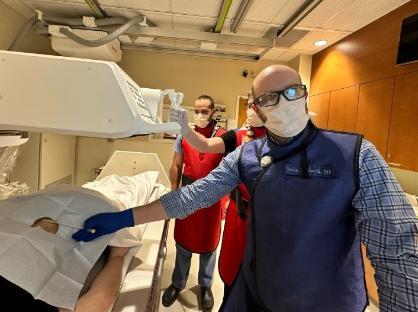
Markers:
point(44, 93)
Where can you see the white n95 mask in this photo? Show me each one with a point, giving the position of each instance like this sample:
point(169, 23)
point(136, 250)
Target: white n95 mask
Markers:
point(253, 119)
point(287, 118)
point(201, 120)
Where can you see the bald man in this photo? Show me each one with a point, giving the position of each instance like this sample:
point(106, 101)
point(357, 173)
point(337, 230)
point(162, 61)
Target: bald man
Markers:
point(315, 195)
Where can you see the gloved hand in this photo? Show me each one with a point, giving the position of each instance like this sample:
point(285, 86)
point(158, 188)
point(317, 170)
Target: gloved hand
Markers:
point(104, 223)
point(180, 116)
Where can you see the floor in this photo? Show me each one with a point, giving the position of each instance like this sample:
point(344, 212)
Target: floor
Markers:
point(188, 298)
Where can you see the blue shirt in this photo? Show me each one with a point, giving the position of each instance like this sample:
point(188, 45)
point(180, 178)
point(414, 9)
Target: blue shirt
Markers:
point(384, 218)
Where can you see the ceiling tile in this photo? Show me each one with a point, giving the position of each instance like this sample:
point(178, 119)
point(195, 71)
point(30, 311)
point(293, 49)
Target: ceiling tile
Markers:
point(197, 8)
point(70, 1)
point(273, 54)
point(359, 13)
point(306, 43)
point(323, 12)
point(108, 3)
point(286, 11)
point(250, 30)
point(53, 8)
point(264, 10)
point(148, 5)
point(233, 9)
point(192, 23)
point(82, 9)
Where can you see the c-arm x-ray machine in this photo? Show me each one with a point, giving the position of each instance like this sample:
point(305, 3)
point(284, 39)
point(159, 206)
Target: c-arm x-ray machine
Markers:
point(44, 93)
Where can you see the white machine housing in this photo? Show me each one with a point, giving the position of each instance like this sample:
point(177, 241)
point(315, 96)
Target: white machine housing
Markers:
point(67, 47)
point(44, 93)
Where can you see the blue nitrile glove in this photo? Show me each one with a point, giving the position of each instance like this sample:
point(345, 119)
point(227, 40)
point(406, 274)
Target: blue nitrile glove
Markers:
point(104, 223)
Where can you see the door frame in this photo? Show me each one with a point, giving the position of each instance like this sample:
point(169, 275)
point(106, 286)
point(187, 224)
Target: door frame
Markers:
point(245, 97)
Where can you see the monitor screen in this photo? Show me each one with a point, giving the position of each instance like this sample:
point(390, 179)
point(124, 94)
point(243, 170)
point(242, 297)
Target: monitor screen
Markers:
point(408, 42)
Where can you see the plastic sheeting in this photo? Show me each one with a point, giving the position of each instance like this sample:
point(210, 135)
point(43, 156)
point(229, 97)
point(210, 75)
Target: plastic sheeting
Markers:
point(8, 156)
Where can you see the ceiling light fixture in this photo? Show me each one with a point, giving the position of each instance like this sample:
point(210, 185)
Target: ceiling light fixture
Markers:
point(320, 43)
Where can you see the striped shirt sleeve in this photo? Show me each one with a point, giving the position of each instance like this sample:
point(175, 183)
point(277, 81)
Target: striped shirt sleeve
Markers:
point(204, 192)
point(388, 226)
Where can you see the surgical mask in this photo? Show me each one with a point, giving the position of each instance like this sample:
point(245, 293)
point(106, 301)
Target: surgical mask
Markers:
point(201, 120)
point(287, 118)
point(253, 119)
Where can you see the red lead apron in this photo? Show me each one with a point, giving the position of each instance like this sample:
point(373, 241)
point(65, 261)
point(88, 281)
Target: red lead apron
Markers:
point(199, 232)
point(235, 230)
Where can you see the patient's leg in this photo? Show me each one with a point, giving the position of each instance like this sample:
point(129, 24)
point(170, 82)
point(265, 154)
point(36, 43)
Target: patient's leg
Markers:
point(103, 290)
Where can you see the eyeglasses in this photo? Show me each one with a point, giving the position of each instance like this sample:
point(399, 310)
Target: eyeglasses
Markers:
point(203, 111)
point(272, 98)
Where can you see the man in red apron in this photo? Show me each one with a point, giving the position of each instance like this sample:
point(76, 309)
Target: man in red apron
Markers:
point(198, 233)
point(236, 222)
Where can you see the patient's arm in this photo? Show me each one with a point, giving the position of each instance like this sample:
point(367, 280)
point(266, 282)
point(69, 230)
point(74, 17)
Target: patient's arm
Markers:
point(104, 289)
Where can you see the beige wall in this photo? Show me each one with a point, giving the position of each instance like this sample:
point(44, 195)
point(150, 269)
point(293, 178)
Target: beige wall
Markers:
point(220, 78)
point(10, 24)
point(92, 153)
point(27, 165)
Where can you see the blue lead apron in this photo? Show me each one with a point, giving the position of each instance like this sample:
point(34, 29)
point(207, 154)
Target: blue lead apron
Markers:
point(303, 252)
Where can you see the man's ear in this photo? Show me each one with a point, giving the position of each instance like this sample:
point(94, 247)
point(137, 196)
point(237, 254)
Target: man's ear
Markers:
point(213, 113)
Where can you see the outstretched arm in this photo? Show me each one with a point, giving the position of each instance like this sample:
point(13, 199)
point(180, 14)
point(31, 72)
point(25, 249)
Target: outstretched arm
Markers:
point(177, 204)
point(198, 141)
point(389, 229)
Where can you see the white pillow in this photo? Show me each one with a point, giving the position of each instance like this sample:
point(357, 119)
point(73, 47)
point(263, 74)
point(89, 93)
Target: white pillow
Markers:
point(127, 192)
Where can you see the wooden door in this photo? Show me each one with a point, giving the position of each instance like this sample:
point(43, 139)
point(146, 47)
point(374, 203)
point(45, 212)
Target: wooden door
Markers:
point(374, 109)
point(343, 109)
point(403, 136)
point(319, 104)
point(242, 111)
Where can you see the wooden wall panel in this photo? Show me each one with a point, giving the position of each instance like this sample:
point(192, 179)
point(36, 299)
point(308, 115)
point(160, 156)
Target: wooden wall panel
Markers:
point(343, 109)
point(374, 110)
point(403, 139)
point(368, 54)
point(320, 105)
